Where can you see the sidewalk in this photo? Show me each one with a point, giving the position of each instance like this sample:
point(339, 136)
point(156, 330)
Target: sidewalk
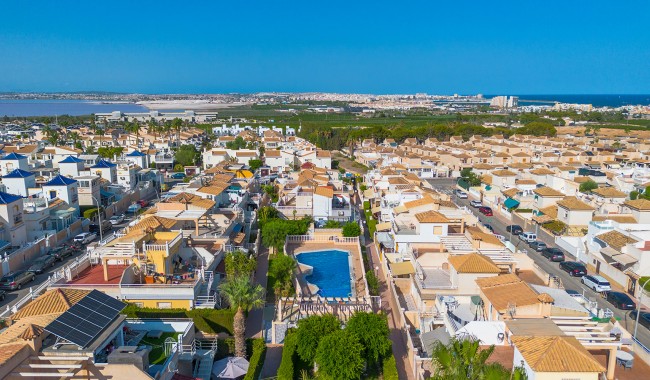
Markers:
point(391, 309)
point(255, 320)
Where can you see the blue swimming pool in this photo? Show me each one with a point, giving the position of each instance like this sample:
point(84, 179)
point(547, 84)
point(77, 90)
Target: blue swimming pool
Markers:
point(331, 271)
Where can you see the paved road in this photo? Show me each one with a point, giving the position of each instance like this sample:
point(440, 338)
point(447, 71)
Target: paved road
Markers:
point(499, 224)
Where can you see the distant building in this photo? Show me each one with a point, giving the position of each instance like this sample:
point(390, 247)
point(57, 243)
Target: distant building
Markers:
point(502, 102)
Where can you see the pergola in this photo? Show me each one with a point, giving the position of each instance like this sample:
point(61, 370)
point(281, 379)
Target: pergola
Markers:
point(185, 215)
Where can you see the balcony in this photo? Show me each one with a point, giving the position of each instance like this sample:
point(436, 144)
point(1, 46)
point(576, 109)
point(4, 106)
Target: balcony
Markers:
point(406, 229)
point(433, 278)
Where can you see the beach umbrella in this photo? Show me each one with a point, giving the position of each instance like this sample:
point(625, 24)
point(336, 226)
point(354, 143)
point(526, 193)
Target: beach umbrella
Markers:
point(231, 367)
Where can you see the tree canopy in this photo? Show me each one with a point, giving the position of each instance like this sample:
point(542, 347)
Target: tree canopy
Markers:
point(339, 356)
point(275, 231)
point(255, 164)
point(187, 155)
point(372, 332)
point(310, 332)
point(351, 229)
point(238, 263)
point(587, 186)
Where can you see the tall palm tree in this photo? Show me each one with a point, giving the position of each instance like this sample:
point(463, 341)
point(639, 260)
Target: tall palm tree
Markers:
point(243, 296)
point(464, 359)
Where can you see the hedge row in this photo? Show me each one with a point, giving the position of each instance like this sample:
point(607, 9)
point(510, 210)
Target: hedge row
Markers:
point(210, 321)
point(389, 371)
point(286, 370)
point(256, 361)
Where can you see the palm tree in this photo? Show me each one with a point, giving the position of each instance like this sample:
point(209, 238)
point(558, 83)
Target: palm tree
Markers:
point(464, 359)
point(243, 296)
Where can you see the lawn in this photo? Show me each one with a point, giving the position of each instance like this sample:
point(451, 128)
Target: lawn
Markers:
point(157, 354)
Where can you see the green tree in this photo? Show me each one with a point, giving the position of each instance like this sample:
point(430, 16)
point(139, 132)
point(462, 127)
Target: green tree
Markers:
point(242, 296)
point(186, 155)
point(373, 333)
point(464, 359)
point(351, 229)
point(266, 213)
point(472, 178)
point(238, 263)
point(282, 271)
point(275, 231)
point(254, 164)
point(339, 356)
point(588, 186)
point(310, 332)
point(332, 224)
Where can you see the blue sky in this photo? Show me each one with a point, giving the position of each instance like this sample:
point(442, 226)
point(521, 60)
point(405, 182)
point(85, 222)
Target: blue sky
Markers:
point(514, 47)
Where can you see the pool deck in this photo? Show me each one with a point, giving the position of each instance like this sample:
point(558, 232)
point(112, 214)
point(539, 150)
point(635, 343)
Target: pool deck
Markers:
point(294, 248)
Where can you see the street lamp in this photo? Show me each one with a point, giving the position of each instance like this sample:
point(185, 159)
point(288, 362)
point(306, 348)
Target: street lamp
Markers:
point(638, 307)
point(99, 218)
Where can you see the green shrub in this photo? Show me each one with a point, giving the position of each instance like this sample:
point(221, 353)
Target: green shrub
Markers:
point(209, 321)
point(373, 283)
point(351, 229)
point(286, 370)
point(90, 213)
point(524, 210)
point(390, 369)
point(556, 227)
point(256, 360)
point(366, 205)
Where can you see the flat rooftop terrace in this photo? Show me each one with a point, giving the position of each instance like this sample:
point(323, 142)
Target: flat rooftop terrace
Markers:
point(95, 275)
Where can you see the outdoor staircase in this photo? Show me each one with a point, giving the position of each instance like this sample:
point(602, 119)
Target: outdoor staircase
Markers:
point(204, 353)
point(206, 299)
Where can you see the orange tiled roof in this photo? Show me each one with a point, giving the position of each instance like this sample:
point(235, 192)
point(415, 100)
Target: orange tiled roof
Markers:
point(548, 192)
point(574, 204)
point(638, 204)
point(324, 191)
point(8, 351)
point(473, 263)
point(52, 301)
point(431, 217)
point(556, 354)
point(616, 239)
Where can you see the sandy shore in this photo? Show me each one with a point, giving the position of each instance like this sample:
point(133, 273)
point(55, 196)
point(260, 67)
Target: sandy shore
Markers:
point(196, 105)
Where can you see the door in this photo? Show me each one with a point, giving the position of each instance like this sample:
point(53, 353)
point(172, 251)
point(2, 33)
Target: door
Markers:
point(631, 285)
point(597, 266)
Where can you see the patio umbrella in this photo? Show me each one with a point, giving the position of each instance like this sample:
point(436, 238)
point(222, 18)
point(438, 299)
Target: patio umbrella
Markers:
point(231, 367)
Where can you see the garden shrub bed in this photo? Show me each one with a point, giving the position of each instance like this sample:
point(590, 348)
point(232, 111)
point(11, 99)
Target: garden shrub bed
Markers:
point(210, 321)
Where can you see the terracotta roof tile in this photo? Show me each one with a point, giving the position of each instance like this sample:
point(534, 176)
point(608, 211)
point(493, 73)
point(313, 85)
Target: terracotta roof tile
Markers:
point(324, 191)
point(52, 301)
point(431, 217)
point(574, 204)
point(8, 351)
point(638, 204)
point(548, 192)
point(616, 239)
point(556, 354)
point(473, 263)
point(609, 192)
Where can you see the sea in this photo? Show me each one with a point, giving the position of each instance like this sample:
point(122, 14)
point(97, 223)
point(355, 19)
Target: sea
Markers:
point(603, 100)
point(72, 107)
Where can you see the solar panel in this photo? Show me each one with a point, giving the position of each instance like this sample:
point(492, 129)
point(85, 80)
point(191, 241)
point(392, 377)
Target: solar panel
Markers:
point(86, 319)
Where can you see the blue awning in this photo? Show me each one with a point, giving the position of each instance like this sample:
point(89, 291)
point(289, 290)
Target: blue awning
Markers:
point(511, 203)
point(237, 228)
point(106, 194)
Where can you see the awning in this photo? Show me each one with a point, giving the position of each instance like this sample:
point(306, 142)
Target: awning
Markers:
point(400, 269)
point(383, 226)
point(510, 203)
point(625, 259)
point(400, 209)
point(375, 210)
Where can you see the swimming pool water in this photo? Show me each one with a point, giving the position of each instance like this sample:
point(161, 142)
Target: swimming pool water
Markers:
point(331, 271)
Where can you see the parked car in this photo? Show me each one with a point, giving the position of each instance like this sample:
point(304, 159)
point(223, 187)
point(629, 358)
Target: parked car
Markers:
point(178, 175)
point(644, 320)
point(134, 208)
point(576, 295)
point(475, 203)
point(143, 203)
point(41, 264)
point(116, 219)
point(596, 283)
point(528, 237)
point(514, 229)
point(537, 245)
point(16, 280)
point(59, 253)
point(3, 294)
point(461, 194)
point(85, 237)
point(489, 228)
point(485, 211)
point(553, 254)
point(106, 226)
point(573, 268)
point(621, 301)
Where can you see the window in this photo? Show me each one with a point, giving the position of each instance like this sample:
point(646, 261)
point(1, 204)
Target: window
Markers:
point(164, 305)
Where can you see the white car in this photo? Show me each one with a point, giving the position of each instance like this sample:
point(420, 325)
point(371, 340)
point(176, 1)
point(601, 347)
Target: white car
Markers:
point(461, 194)
point(475, 203)
point(596, 283)
point(85, 237)
point(116, 219)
